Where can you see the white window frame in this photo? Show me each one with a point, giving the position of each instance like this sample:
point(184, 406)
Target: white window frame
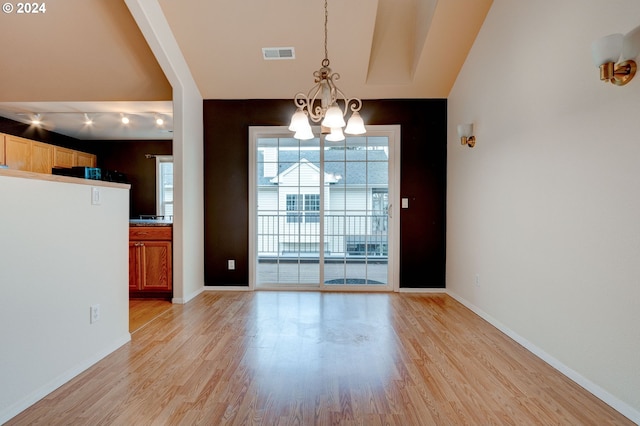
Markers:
point(394, 134)
point(159, 187)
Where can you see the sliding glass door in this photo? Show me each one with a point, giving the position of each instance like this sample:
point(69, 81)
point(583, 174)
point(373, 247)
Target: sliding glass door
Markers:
point(321, 215)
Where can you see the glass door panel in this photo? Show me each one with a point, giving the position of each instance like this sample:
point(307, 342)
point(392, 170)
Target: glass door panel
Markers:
point(288, 212)
point(321, 216)
point(356, 219)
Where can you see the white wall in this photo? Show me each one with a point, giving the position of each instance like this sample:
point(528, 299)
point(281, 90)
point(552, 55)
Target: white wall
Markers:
point(188, 171)
point(545, 208)
point(58, 256)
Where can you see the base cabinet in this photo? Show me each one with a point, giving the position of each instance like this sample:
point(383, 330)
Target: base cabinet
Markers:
point(150, 262)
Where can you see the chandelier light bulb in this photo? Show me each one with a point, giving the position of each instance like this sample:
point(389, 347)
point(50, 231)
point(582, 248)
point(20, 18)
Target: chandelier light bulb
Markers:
point(298, 121)
point(333, 117)
point(355, 125)
point(304, 134)
point(336, 135)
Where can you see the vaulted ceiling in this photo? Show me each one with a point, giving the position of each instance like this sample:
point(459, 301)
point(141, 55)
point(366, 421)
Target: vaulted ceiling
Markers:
point(88, 56)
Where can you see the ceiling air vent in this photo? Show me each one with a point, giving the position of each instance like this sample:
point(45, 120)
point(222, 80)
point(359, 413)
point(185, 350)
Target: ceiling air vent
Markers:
point(269, 53)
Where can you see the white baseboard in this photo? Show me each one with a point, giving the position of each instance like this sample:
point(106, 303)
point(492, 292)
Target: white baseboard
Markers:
point(618, 405)
point(35, 396)
point(186, 299)
point(227, 288)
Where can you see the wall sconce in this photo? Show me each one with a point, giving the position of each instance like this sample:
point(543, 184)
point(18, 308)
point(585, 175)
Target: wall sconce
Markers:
point(608, 50)
point(465, 133)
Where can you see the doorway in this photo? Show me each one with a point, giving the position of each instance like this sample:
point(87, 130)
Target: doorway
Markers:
point(321, 212)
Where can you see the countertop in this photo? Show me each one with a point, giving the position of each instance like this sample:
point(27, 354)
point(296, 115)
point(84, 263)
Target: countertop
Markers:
point(150, 222)
point(58, 178)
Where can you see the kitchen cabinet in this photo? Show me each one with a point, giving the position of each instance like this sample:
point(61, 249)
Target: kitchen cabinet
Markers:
point(150, 261)
point(85, 160)
point(2, 148)
point(18, 153)
point(64, 157)
point(32, 156)
point(41, 157)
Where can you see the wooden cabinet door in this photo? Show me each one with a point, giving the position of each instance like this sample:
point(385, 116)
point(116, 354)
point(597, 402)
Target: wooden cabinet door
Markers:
point(134, 266)
point(63, 157)
point(155, 260)
point(2, 148)
point(41, 157)
point(85, 160)
point(18, 153)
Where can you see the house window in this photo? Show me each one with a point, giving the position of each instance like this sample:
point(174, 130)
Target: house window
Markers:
point(303, 208)
point(312, 208)
point(164, 185)
point(293, 208)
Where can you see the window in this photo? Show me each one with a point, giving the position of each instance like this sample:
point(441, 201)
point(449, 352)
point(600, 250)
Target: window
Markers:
point(293, 208)
point(312, 208)
point(164, 185)
point(297, 212)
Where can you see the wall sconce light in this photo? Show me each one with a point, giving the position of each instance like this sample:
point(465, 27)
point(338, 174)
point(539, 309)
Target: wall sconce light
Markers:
point(465, 133)
point(608, 50)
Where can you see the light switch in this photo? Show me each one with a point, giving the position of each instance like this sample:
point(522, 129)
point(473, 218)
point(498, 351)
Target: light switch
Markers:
point(405, 203)
point(95, 196)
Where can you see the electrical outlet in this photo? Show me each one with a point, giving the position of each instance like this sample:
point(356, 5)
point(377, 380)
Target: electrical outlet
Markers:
point(95, 313)
point(231, 264)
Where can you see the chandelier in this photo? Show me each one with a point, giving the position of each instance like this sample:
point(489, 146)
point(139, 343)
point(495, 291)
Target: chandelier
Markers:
point(322, 104)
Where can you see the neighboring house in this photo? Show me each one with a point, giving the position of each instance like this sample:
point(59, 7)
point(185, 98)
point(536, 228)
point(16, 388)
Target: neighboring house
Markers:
point(355, 202)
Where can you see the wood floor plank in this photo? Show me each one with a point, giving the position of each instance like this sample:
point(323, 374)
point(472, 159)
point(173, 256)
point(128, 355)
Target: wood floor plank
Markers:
point(143, 311)
point(285, 358)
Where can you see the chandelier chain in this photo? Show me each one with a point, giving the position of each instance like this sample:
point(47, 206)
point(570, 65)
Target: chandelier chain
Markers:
point(326, 50)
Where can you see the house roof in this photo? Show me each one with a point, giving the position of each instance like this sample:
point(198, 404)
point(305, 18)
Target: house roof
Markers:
point(346, 166)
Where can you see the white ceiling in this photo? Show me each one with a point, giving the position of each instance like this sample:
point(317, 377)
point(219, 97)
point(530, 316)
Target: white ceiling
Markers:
point(102, 66)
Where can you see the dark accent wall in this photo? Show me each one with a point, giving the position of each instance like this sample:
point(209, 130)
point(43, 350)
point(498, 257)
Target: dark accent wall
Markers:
point(423, 180)
point(128, 157)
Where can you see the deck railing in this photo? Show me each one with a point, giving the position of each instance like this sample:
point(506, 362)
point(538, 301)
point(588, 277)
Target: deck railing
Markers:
point(297, 234)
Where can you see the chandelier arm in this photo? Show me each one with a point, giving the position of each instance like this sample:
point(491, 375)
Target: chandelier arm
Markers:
point(308, 103)
point(353, 104)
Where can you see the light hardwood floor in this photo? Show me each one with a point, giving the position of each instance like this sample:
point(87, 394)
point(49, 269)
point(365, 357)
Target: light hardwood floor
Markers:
point(283, 358)
point(144, 311)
